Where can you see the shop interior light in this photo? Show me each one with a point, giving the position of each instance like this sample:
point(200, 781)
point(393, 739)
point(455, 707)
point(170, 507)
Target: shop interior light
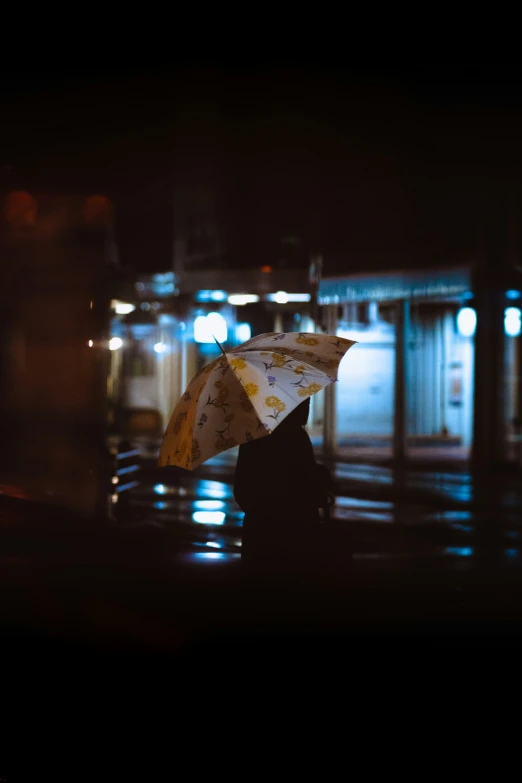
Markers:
point(115, 343)
point(160, 347)
point(281, 297)
point(209, 328)
point(467, 321)
point(513, 321)
point(243, 299)
point(90, 343)
point(211, 296)
point(122, 308)
point(243, 333)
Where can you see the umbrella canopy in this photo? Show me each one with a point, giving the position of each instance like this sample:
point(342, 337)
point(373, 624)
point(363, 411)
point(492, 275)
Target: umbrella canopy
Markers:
point(247, 392)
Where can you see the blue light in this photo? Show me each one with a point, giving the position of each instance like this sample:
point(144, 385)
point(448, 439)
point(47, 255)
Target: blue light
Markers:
point(466, 321)
point(160, 505)
point(511, 553)
point(209, 505)
point(512, 294)
point(160, 489)
point(209, 517)
point(212, 489)
point(460, 551)
point(211, 296)
point(218, 296)
point(512, 321)
point(210, 556)
point(243, 333)
point(206, 328)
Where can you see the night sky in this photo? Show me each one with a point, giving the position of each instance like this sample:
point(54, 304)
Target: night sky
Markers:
point(374, 167)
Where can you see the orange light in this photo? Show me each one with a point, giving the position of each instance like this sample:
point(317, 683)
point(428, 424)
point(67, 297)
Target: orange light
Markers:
point(20, 209)
point(266, 269)
point(98, 210)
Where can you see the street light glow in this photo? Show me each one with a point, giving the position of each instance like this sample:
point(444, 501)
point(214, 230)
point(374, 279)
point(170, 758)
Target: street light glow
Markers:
point(123, 308)
point(210, 327)
point(281, 297)
point(512, 321)
point(467, 321)
point(243, 299)
point(243, 333)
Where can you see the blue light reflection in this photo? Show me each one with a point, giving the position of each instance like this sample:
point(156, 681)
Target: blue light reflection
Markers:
point(460, 551)
point(209, 517)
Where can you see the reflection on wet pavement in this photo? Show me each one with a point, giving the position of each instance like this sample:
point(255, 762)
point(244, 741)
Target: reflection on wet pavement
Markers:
point(208, 522)
point(458, 487)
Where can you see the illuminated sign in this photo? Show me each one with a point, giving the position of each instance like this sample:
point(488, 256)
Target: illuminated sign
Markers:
point(388, 287)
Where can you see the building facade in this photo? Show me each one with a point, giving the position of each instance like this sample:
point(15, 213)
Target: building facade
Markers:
point(409, 388)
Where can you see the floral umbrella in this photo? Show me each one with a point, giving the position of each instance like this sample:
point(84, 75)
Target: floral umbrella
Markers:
point(246, 392)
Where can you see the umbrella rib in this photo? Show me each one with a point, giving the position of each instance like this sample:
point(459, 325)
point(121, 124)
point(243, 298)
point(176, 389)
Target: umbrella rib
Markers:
point(253, 407)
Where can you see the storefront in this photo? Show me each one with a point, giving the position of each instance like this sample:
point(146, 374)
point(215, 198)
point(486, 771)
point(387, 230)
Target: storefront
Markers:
point(407, 388)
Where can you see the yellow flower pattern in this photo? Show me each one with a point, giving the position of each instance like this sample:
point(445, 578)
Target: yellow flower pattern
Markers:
point(276, 403)
point(238, 364)
point(278, 360)
point(180, 418)
point(307, 391)
point(196, 451)
point(305, 340)
point(216, 412)
point(222, 444)
point(245, 403)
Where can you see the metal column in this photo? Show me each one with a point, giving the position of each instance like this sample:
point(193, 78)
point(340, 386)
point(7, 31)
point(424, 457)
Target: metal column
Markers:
point(401, 375)
point(488, 419)
point(330, 401)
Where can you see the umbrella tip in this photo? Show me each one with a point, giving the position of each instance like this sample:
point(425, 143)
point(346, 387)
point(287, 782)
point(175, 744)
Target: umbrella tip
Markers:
point(220, 346)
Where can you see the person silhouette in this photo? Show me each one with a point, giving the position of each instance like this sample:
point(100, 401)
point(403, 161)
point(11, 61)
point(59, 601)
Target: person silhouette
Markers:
point(280, 487)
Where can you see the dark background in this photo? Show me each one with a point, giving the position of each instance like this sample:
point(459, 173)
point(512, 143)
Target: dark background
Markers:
point(374, 166)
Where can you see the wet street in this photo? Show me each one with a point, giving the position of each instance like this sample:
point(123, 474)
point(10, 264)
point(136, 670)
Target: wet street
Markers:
point(420, 552)
point(392, 518)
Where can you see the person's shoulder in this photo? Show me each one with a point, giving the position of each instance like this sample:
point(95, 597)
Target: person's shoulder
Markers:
point(253, 446)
